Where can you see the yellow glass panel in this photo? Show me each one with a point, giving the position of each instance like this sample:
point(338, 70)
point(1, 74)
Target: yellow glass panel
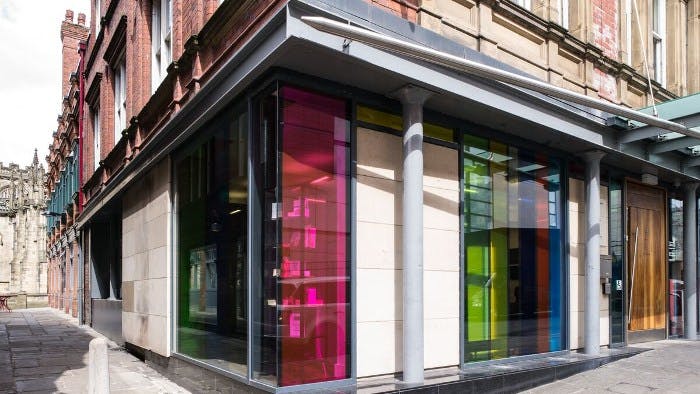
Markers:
point(379, 118)
point(394, 122)
point(438, 132)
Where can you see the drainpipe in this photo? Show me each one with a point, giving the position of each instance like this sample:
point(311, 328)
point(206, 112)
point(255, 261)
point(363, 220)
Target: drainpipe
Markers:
point(81, 115)
point(690, 320)
point(81, 279)
point(78, 234)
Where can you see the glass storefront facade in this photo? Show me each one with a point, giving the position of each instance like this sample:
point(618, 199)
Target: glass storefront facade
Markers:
point(211, 175)
point(300, 293)
point(513, 251)
point(263, 266)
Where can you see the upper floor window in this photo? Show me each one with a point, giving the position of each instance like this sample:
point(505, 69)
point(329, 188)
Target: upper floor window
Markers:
point(161, 40)
point(98, 14)
point(658, 33)
point(628, 31)
point(564, 14)
point(523, 3)
point(96, 129)
point(119, 97)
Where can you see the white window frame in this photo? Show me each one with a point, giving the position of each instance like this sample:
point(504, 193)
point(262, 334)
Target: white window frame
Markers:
point(119, 98)
point(96, 137)
point(564, 13)
point(98, 14)
point(523, 3)
point(628, 29)
point(658, 39)
point(161, 41)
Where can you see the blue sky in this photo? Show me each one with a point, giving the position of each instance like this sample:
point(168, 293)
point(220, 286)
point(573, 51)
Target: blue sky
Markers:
point(30, 74)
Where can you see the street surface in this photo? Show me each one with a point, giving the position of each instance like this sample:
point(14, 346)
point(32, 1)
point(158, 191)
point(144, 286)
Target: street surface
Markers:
point(672, 366)
point(43, 350)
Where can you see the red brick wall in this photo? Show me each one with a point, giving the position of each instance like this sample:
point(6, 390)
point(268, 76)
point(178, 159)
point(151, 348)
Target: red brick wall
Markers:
point(407, 9)
point(606, 37)
point(189, 18)
point(71, 35)
point(605, 26)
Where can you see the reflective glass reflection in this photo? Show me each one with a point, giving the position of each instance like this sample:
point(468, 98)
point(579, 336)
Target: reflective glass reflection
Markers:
point(302, 314)
point(513, 264)
point(212, 194)
point(675, 269)
point(314, 281)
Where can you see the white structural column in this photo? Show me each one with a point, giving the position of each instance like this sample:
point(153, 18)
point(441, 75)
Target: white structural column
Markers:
point(412, 99)
point(690, 261)
point(591, 314)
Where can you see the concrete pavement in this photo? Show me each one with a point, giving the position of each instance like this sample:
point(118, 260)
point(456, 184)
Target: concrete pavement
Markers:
point(671, 366)
point(43, 350)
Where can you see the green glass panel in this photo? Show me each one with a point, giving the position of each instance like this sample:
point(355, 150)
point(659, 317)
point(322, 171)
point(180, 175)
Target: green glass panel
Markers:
point(513, 251)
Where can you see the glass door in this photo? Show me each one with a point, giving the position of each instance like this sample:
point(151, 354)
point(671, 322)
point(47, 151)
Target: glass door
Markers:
point(265, 296)
point(676, 286)
point(618, 318)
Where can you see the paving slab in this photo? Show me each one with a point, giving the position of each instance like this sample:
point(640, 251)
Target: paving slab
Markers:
point(671, 366)
point(44, 350)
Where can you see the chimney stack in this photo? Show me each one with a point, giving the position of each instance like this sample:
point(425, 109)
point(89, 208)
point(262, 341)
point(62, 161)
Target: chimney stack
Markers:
point(71, 35)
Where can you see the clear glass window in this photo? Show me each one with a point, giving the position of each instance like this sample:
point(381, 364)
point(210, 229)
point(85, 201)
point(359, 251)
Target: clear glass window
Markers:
point(96, 136)
point(119, 98)
point(523, 3)
point(98, 15)
point(659, 40)
point(212, 244)
point(161, 40)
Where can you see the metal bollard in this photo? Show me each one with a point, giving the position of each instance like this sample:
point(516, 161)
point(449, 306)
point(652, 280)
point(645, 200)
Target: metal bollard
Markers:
point(98, 367)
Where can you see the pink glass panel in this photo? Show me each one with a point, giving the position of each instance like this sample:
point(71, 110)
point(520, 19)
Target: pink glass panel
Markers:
point(314, 276)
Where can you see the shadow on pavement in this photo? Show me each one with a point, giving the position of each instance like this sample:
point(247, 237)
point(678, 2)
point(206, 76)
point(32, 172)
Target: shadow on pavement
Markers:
point(37, 348)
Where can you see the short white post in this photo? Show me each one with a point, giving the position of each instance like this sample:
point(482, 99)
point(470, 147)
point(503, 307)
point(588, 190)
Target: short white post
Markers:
point(98, 367)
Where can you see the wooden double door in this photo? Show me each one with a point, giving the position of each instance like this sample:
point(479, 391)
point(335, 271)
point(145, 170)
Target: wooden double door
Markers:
point(646, 263)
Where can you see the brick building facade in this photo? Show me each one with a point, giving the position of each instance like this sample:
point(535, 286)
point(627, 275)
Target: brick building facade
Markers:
point(199, 114)
point(62, 180)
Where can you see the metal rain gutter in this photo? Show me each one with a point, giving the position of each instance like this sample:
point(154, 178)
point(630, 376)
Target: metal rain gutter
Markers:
point(422, 52)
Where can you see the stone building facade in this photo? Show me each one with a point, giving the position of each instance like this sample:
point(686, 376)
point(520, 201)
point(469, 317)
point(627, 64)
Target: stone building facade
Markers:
point(23, 267)
point(592, 47)
point(62, 180)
